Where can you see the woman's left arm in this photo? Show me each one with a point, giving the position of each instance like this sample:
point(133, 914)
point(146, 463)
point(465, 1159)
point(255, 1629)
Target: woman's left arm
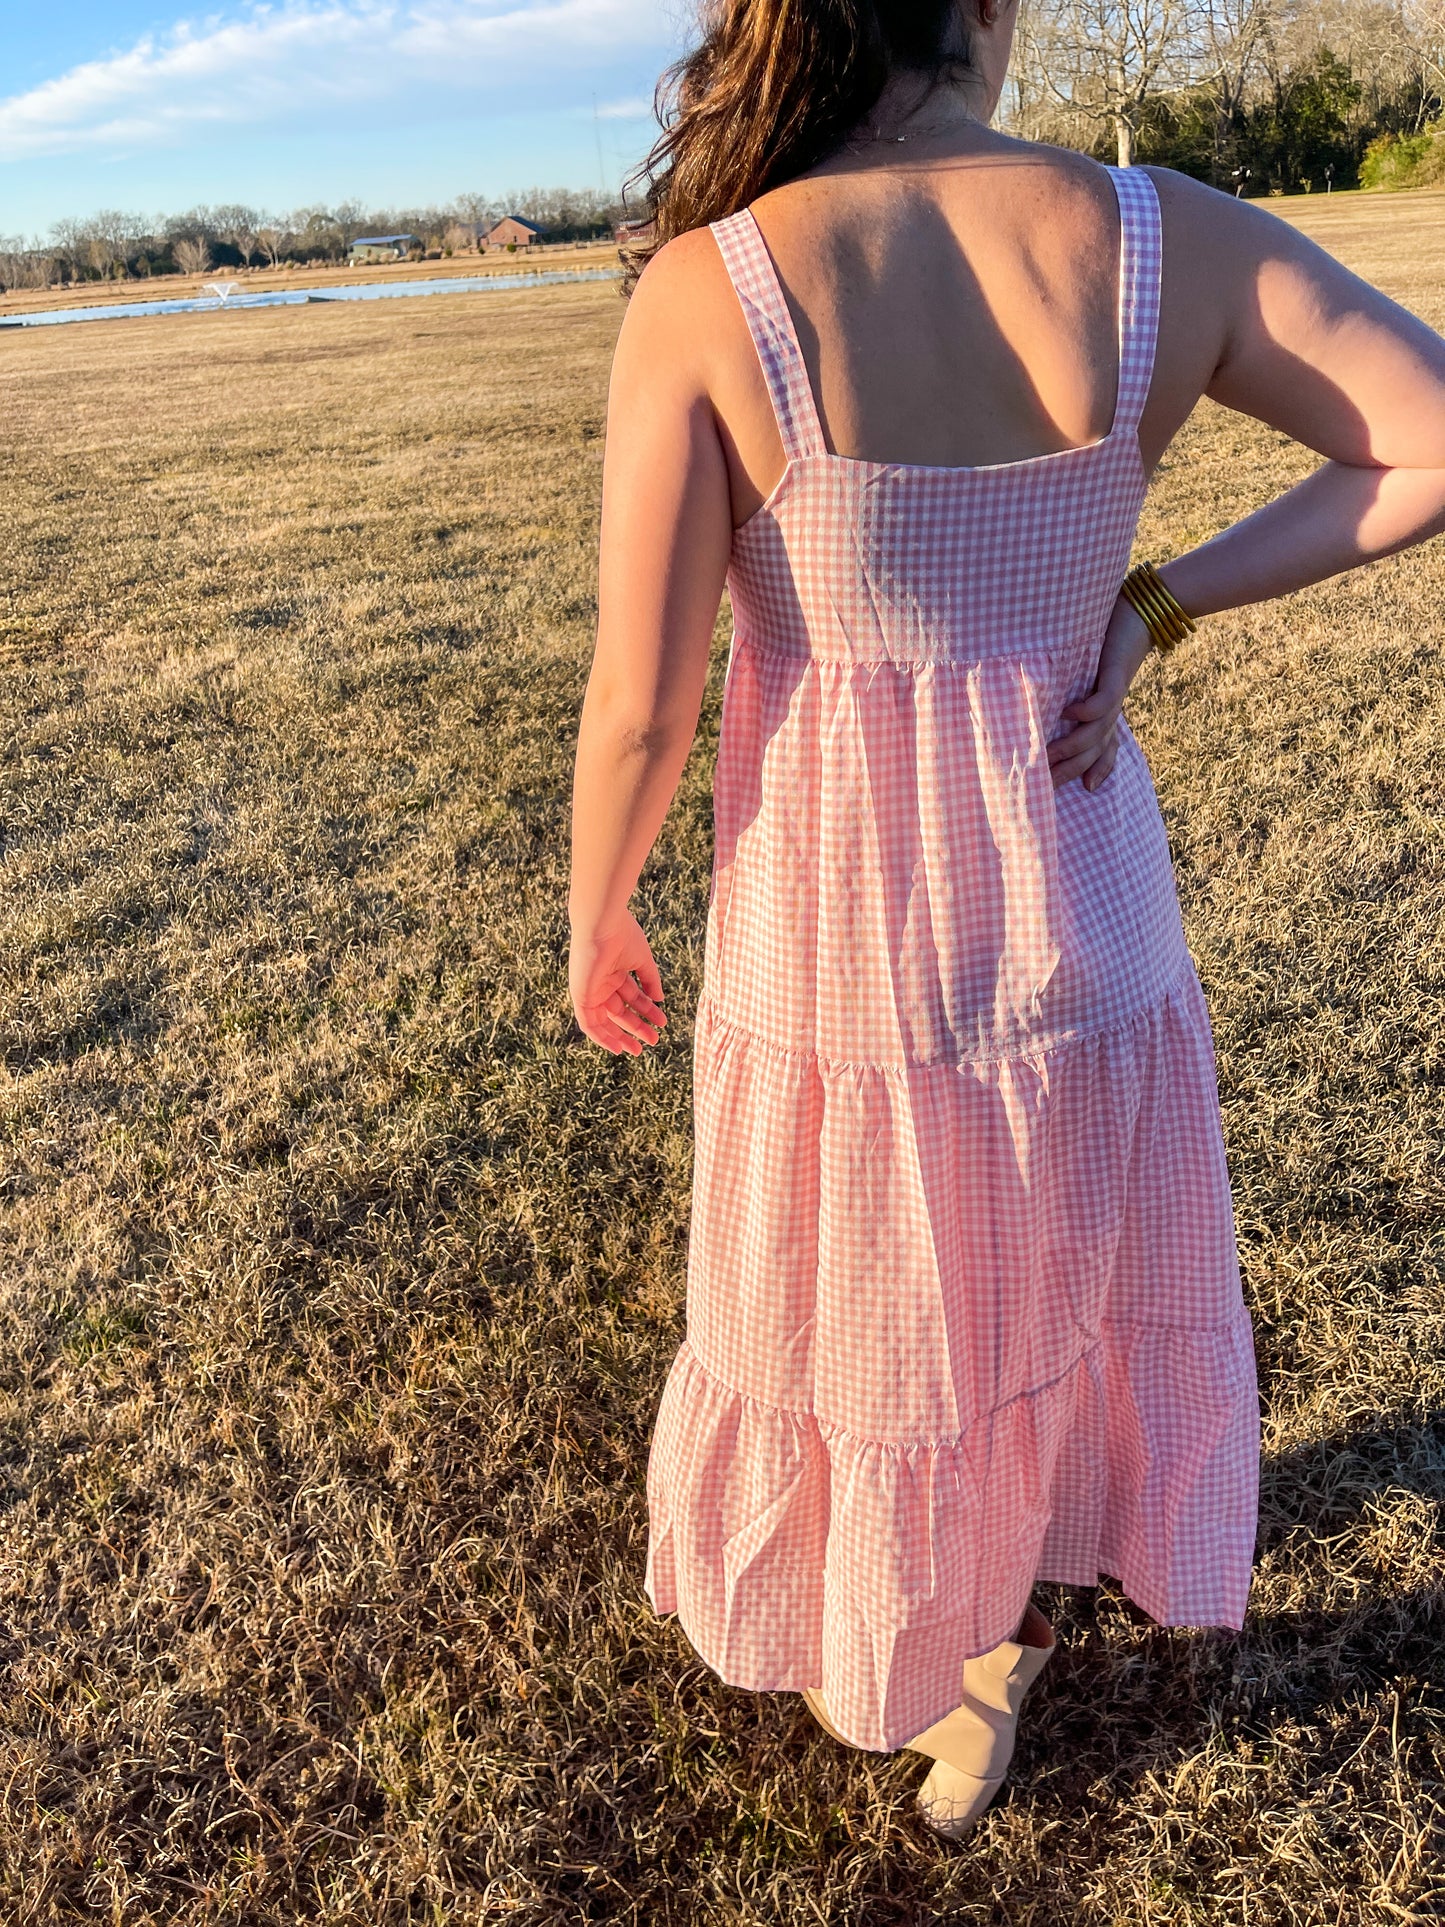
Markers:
point(666, 536)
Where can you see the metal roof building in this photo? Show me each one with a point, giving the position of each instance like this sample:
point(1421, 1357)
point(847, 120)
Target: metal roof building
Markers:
point(389, 246)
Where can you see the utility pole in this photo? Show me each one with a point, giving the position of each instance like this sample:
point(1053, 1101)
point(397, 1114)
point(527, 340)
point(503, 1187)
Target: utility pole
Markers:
point(597, 131)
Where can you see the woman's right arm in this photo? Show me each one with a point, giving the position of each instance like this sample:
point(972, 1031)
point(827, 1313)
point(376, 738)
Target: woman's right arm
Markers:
point(665, 539)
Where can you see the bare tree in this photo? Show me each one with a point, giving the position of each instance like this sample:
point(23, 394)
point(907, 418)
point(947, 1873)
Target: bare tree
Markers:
point(108, 243)
point(1235, 31)
point(271, 237)
point(428, 224)
point(1236, 34)
point(236, 225)
point(23, 265)
point(67, 238)
point(191, 256)
point(479, 211)
point(349, 219)
point(318, 234)
point(1425, 22)
point(1101, 61)
point(563, 210)
point(1393, 50)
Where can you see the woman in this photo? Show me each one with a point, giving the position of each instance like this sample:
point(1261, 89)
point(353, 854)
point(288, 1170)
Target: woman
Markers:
point(964, 1309)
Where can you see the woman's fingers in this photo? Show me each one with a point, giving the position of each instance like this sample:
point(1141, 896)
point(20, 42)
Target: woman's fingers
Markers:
point(1064, 749)
point(1096, 775)
point(1090, 708)
point(648, 977)
point(1078, 742)
point(597, 1025)
point(1091, 760)
point(648, 1006)
point(636, 1013)
point(1066, 772)
point(625, 1018)
point(615, 1023)
point(1088, 750)
point(616, 987)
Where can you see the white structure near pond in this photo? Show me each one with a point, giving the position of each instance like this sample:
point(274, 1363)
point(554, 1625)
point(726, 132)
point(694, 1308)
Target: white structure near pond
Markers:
point(383, 247)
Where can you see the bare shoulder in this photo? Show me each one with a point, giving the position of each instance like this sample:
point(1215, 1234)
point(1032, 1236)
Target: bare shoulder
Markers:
point(1075, 194)
point(1239, 257)
point(1063, 172)
point(1213, 236)
point(1193, 213)
point(1058, 206)
point(686, 261)
point(1263, 319)
point(682, 288)
point(681, 313)
point(1072, 182)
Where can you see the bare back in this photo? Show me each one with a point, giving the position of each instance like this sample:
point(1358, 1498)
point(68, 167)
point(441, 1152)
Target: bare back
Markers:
point(961, 312)
point(955, 314)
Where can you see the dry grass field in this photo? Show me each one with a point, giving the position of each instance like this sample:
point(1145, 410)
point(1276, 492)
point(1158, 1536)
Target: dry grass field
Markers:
point(338, 1277)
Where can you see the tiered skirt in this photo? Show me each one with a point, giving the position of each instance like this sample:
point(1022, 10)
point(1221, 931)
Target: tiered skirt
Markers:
point(951, 1329)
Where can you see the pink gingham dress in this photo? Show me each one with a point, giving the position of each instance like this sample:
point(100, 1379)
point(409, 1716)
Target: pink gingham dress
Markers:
point(963, 1306)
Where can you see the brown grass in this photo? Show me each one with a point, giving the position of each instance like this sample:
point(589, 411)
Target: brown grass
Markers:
point(338, 1277)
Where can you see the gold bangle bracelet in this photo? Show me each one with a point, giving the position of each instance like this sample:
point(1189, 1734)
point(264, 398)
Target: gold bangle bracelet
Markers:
point(1165, 629)
point(1133, 593)
point(1152, 591)
point(1168, 629)
point(1161, 612)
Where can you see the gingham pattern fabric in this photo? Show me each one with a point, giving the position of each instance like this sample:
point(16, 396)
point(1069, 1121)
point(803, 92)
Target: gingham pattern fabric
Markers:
point(964, 1307)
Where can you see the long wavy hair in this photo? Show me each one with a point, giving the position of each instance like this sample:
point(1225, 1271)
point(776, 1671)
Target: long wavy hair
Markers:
point(773, 88)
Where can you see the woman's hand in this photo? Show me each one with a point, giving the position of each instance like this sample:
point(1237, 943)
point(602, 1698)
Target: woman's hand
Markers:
point(1088, 750)
point(616, 988)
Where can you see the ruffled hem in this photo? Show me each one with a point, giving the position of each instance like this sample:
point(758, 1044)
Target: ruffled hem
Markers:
point(797, 1554)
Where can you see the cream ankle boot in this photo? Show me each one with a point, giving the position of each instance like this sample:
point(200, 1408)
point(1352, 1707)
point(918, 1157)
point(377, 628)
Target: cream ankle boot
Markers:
point(972, 1746)
point(813, 1695)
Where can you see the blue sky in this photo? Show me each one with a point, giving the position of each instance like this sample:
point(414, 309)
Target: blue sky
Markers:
point(124, 104)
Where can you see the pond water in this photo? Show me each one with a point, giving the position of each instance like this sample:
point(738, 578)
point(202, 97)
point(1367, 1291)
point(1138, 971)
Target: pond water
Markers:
point(297, 297)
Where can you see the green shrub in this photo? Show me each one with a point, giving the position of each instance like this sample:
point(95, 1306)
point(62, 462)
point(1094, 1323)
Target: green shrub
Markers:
point(1405, 160)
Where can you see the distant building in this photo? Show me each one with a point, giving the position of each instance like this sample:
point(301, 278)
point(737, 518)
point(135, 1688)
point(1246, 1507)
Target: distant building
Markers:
point(511, 232)
point(633, 231)
point(383, 247)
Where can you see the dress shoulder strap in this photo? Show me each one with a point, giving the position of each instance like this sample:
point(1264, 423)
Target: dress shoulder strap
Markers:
point(765, 310)
point(1140, 266)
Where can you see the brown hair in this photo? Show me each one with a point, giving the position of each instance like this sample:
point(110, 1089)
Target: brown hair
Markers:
point(775, 87)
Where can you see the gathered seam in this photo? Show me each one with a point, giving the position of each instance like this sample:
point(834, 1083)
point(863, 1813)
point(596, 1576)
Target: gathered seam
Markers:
point(828, 1429)
point(1047, 1046)
point(1021, 652)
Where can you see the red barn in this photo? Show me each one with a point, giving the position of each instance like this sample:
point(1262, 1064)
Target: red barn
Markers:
point(512, 232)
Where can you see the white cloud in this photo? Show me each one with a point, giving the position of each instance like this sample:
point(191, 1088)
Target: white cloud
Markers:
point(272, 63)
point(638, 108)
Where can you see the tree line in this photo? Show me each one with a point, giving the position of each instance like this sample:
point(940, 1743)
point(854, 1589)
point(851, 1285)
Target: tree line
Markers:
point(1255, 96)
point(114, 245)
